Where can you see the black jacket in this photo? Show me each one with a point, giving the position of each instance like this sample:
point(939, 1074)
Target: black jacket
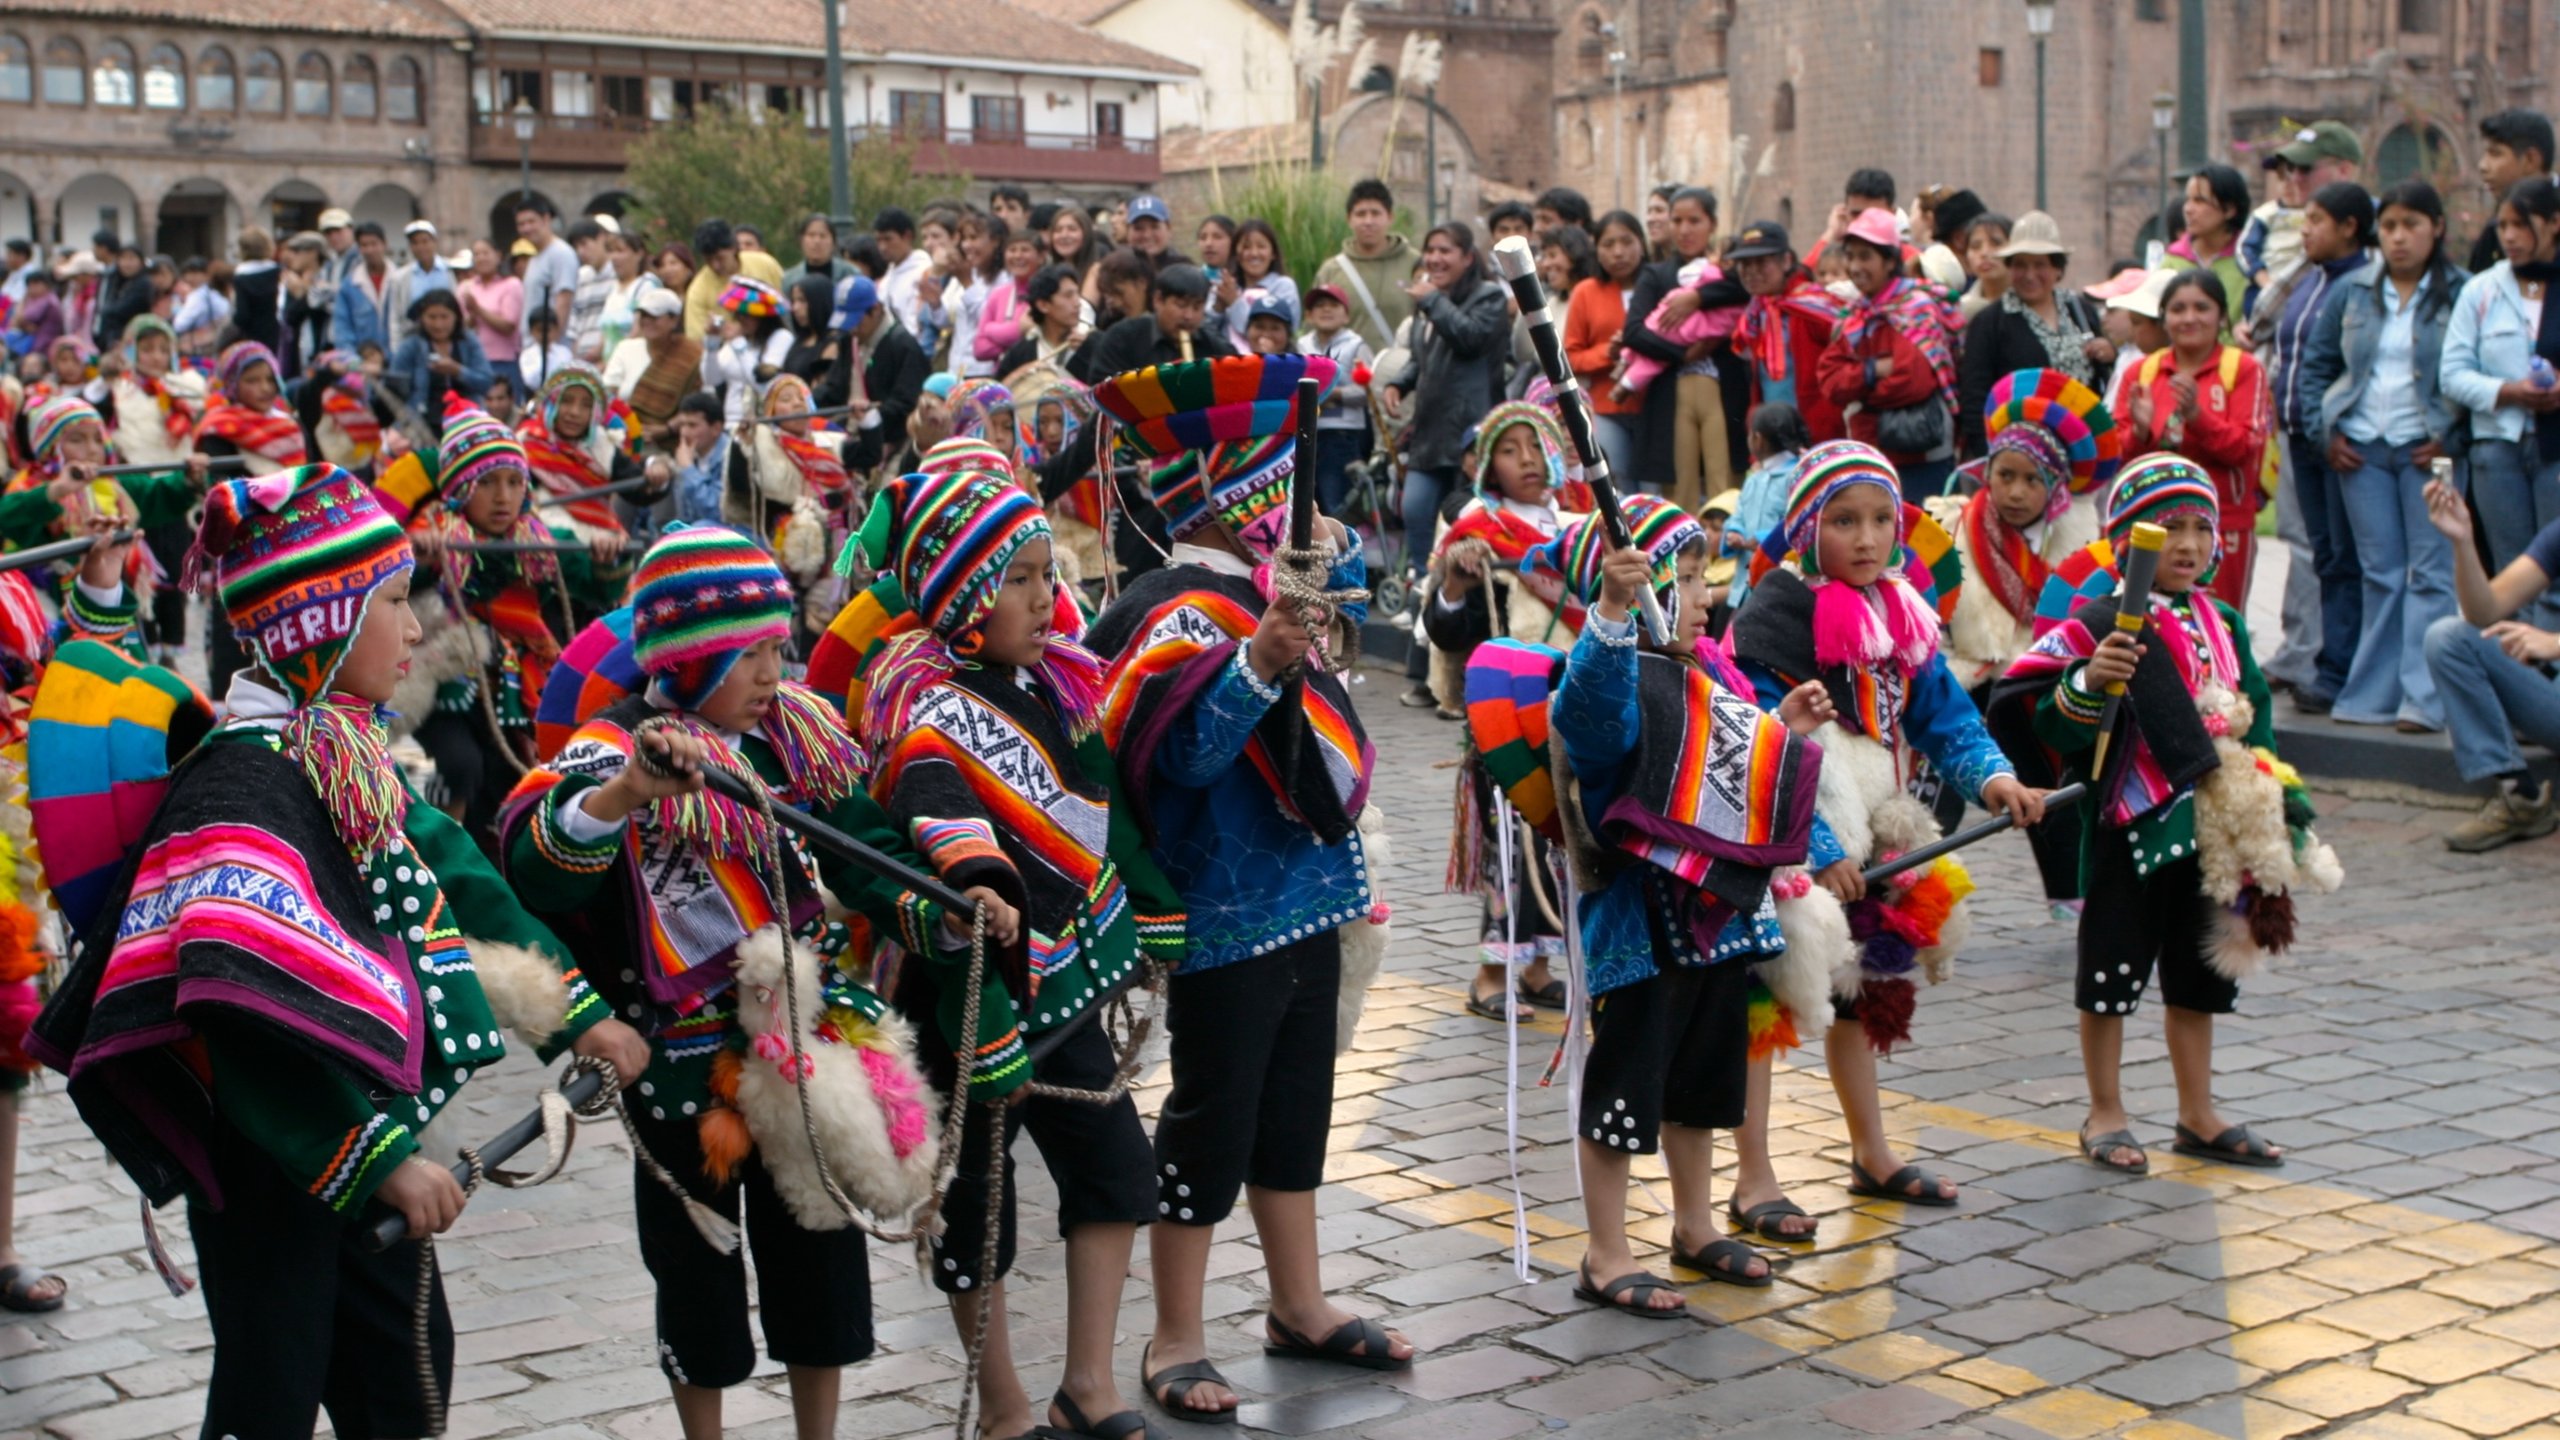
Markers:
point(1138, 342)
point(893, 374)
point(1460, 343)
point(1655, 446)
point(1997, 343)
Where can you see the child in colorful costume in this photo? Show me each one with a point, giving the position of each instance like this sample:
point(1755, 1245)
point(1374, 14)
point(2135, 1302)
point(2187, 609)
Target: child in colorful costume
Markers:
point(788, 486)
point(2053, 449)
point(670, 891)
point(1838, 602)
point(1488, 581)
point(299, 970)
point(1249, 784)
point(247, 415)
point(573, 435)
point(994, 762)
point(59, 495)
point(1678, 798)
point(29, 938)
point(493, 623)
point(2196, 836)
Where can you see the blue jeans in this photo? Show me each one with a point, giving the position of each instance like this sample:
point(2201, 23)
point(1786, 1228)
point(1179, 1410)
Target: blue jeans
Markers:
point(2516, 496)
point(1925, 479)
point(1618, 445)
point(2333, 559)
point(1423, 492)
point(2408, 587)
point(1335, 450)
point(2488, 699)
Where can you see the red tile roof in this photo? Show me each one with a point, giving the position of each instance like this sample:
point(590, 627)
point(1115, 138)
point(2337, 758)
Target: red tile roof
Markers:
point(962, 30)
point(419, 19)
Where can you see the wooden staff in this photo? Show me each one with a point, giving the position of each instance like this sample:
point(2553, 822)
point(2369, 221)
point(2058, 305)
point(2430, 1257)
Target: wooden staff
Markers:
point(389, 1229)
point(212, 463)
point(61, 550)
point(818, 414)
point(2133, 611)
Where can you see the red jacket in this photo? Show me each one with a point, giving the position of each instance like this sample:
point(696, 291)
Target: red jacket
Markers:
point(1844, 378)
point(1807, 337)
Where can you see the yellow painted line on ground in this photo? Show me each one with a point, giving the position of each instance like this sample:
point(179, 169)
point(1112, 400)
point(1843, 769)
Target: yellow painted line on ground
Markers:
point(2319, 1275)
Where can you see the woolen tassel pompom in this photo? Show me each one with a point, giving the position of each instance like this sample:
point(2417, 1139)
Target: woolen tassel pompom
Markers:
point(345, 753)
point(907, 666)
point(1884, 621)
point(1884, 1012)
point(822, 758)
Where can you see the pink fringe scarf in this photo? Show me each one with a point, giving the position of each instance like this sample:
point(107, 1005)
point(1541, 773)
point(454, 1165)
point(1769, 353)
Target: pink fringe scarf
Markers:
point(1863, 628)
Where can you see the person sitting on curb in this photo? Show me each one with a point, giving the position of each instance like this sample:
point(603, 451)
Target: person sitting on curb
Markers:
point(2497, 677)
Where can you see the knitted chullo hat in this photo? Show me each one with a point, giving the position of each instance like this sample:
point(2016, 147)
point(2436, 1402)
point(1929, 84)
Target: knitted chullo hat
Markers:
point(1654, 525)
point(1825, 471)
point(948, 539)
point(975, 403)
point(2060, 424)
point(47, 423)
point(576, 375)
point(962, 453)
point(296, 556)
point(1220, 431)
point(2156, 487)
point(1489, 433)
point(702, 596)
point(751, 299)
point(236, 361)
point(475, 446)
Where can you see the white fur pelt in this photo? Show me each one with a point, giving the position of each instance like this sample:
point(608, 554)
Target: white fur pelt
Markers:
point(1364, 942)
point(1982, 638)
point(2242, 839)
point(1079, 551)
point(525, 991)
point(449, 648)
point(1859, 795)
point(1817, 932)
point(851, 1116)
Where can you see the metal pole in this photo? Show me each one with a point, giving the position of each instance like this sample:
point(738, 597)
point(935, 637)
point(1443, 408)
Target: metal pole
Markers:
point(1431, 155)
point(839, 159)
point(2195, 120)
point(2160, 212)
point(524, 169)
point(2040, 168)
point(1618, 129)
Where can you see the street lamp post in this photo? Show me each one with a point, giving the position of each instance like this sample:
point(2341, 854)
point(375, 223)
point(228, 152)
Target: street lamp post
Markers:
point(839, 161)
point(2164, 115)
point(2040, 29)
point(523, 118)
point(1617, 115)
point(1431, 153)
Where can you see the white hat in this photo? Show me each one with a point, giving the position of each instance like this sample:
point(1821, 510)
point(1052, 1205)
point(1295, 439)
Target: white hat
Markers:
point(334, 218)
point(2144, 299)
point(659, 300)
point(419, 227)
point(607, 224)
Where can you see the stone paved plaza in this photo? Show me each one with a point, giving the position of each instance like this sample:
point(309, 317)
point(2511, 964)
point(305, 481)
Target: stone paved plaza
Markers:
point(2399, 1278)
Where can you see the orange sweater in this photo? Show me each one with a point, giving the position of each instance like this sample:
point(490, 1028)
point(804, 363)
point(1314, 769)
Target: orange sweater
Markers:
point(1594, 317)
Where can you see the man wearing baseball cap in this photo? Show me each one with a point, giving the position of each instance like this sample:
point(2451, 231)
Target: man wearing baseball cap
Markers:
point(893, 371)
point(1786, 327)
point(423, 271)
point(338, 232)
point(1151, 231)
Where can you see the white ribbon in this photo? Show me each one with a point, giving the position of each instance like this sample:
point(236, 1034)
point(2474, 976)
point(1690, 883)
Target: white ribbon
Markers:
point(1511, 1024)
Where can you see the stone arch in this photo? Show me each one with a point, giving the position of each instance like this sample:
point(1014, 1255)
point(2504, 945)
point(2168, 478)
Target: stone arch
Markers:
point(502, 217)
point(96, 201)
point(389, 206)
point(292, 206)
point(615, 203)
point(196, 217)
point(2417, 150)
point(18, 217)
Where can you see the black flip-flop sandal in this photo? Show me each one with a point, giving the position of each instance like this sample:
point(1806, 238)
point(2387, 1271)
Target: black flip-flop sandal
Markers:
point(2235, 1146)
point(1640, 1286)
point(1488, 1006)
point(1167, 1387)
point(1761, 1220)
point(18, 1289)
point(1123, 1426)
point(2098, 1147)
point(1707, 1261)
point(1359, 1342)
point(1897, 1186)
point(1550, 996)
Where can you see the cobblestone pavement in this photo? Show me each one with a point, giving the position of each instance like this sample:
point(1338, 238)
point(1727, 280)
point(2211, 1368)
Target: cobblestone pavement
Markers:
point(2400, 1278)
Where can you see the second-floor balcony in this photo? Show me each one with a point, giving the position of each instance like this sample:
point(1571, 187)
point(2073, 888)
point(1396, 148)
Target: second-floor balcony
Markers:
point(601, 142)
point(985, 154)
point(581, 142)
